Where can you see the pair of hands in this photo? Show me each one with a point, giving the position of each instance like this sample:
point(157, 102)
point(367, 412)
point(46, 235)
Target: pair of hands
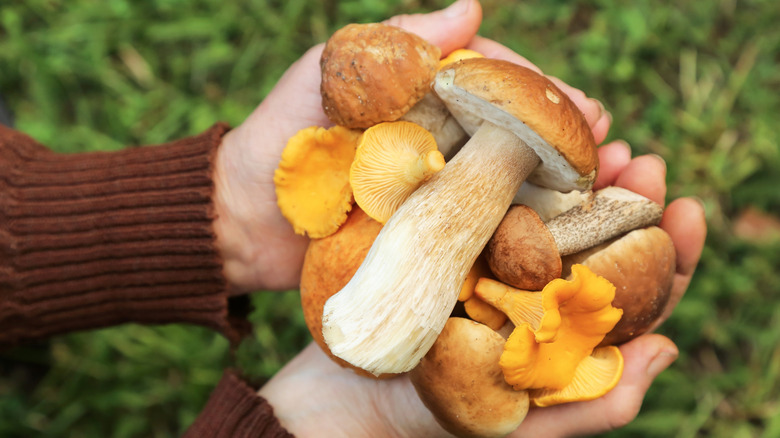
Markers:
point(312, 396)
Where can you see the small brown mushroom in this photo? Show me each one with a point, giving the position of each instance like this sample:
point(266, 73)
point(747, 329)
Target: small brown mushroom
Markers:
point(641, 265)
point(526, 253)
point(460, 382)
point(373, 73)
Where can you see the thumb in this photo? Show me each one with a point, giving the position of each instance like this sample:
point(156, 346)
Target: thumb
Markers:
point(645, 358)
point(450, 28)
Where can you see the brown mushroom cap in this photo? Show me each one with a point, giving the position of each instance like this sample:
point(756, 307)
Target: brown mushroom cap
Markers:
point(328, 265)
point(374, 73)
point(641, 265)
point(460, 382)
point(522, 252)
point(516, 98)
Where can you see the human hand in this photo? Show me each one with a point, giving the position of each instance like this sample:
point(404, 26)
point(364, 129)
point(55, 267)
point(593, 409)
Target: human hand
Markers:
point(259, 248)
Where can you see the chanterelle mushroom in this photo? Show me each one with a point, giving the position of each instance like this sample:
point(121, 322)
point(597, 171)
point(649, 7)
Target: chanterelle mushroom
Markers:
point(391, 161)
point(390, 313)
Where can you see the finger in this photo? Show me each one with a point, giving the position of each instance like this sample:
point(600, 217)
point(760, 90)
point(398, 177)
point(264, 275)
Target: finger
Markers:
point(685, 222)
point(450, 28)
point(613, 159)
point(645, 175)
point(645, 357)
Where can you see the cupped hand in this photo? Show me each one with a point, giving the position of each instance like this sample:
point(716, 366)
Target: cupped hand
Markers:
point(259, 248)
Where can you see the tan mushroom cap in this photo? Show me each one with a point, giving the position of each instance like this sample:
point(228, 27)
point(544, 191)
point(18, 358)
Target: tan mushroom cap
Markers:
point(391, 161)
point(641, 265)
point(460, 382)
point(522, 251)
point(533, 108)
point(373, 73)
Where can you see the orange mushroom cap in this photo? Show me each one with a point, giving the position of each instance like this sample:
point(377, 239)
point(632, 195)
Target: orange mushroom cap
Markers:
point(312, 180)
point(595, 376)
point(577, 315)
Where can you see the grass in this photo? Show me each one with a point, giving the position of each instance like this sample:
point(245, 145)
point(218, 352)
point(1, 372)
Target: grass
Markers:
point(695, 82)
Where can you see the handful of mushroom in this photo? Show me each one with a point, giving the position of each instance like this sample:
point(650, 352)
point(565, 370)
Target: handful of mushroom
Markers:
point(434, 153)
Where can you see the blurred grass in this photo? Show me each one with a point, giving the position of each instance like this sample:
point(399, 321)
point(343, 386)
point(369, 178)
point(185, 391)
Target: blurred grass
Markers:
point(695, 82)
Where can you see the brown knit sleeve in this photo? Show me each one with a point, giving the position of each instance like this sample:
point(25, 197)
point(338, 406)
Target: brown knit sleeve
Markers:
point(97, 239)
point(235, 410)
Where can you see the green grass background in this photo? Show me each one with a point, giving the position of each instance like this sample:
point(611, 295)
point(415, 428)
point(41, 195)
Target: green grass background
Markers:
point(696, 82)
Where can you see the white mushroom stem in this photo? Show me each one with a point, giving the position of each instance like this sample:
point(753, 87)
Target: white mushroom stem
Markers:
point(388, 316)
point(610, 212)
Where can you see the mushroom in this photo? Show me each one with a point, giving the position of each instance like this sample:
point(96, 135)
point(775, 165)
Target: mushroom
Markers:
point(312, 179)
point(474, 307)
point(575, 316)
point(460, 382)
point(373, 73)
point(459, 55)
point(328, 265)
point(526, 253)
point(595, 376)
point(392, 160)
point(641, 265)
point(390, 313)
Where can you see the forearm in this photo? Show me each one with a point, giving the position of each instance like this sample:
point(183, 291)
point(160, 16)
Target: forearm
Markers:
point(92, 240)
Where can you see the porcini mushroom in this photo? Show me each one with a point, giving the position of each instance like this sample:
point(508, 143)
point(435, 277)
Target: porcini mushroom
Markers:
point(373, 73)
point(641, 265)
point(595, 376)
point(388, 316)
point(391, 161)
point(460, 382)
point(312, 180)
point(526, 253)
point(576, 314)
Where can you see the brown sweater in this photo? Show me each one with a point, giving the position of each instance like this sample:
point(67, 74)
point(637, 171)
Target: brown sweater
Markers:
point(98, 239)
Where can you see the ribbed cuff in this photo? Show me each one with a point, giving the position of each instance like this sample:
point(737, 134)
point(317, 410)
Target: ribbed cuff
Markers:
point(97, 239)
point(234, 410)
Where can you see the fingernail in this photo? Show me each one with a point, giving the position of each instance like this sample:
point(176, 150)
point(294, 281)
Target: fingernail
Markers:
point(457, 9)
point(660, 159)
point(661, 362)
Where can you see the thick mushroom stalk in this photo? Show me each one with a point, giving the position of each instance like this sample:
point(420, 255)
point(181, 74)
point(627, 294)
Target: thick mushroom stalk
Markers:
point(388, 316)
